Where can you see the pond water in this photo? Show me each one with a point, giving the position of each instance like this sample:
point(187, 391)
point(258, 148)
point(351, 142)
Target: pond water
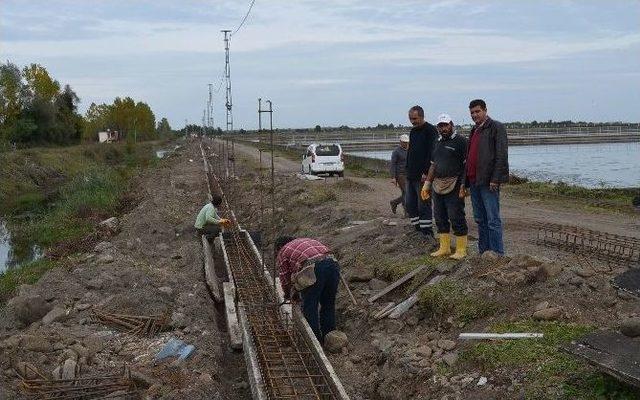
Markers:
point(11, 257)
point(613, 165)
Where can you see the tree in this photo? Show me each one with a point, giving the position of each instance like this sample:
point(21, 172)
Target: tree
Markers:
point(318, 128)
point(39, 83)
point(163, 127)
point(12, 93)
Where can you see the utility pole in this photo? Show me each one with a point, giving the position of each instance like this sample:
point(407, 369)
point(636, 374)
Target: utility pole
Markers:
point(227, 74)
point(204, 112)
point(273, 178)
point(210, 109)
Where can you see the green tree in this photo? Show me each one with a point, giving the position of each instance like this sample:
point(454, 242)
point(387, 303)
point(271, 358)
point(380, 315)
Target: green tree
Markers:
point(164, 128)
point(39, 83)
point(12, 94)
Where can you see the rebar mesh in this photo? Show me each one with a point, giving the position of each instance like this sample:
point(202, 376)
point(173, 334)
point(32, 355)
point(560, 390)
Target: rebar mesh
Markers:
point(605, 246)
point(288, 367)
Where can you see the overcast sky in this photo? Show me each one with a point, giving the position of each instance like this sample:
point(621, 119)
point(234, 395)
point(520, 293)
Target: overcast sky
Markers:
point(335, 62)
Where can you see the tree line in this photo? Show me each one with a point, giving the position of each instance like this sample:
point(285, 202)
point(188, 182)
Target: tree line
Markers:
point(35, 109)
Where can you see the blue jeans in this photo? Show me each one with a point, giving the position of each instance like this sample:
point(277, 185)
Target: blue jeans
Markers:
point(419, 211)
point(323, 294)
point(486, 213)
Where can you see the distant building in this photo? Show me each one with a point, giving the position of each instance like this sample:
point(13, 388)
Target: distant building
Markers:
point(108, 136)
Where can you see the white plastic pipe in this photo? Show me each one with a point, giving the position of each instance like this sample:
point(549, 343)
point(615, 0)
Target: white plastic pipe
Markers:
point(470, 335)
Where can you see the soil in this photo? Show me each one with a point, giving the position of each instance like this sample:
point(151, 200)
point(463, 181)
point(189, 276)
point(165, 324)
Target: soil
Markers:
point(402, 358)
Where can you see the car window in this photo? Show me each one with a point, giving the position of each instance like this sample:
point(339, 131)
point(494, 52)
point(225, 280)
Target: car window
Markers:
point(328, 150)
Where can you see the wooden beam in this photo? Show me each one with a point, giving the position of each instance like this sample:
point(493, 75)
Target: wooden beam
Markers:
point(256, 383)
point(318, 353)
point(413, 299)
point(235, 333)
point(210, 271)
point(397, 283)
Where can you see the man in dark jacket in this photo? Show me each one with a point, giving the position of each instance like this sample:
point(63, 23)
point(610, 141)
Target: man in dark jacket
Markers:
point(487, 169)
point(422, 137)
point(398, 170)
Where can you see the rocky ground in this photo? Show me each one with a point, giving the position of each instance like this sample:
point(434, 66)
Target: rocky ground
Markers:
point(153, 265)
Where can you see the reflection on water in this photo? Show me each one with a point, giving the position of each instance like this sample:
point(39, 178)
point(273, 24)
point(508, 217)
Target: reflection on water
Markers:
point(164, 152)
point(588, 165)
point(11, 256)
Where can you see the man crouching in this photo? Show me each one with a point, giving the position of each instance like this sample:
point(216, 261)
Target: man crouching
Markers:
point(307, 267)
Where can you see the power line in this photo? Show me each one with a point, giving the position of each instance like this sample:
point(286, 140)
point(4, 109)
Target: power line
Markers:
point(245, 18)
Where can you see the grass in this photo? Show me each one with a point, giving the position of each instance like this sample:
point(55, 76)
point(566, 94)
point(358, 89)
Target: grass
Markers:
point(545, 365)
point(55, 196)
point(25, 275)
point(318, 195)
point(447, 299)
point(598, 197)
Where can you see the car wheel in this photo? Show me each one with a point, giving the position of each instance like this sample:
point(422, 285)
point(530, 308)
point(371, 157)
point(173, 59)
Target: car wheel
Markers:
point(341, 174)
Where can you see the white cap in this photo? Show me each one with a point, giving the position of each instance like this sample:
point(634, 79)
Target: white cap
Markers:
point(404, 138)
point(444, 119)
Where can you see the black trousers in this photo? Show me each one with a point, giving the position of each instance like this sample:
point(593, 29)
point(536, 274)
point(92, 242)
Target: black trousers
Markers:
point(448, 210)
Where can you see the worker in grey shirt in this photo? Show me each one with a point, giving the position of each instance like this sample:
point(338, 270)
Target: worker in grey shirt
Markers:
point(398, 171)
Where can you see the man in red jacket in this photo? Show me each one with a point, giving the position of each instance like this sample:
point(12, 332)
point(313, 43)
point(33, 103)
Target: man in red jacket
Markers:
point(487, 169)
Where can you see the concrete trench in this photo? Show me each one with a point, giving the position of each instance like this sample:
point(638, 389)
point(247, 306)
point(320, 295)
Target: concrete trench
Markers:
point(284, 359)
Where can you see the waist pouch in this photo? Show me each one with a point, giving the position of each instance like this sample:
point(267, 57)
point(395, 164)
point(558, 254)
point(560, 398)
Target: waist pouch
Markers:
point(307, 275)
point(444, 185)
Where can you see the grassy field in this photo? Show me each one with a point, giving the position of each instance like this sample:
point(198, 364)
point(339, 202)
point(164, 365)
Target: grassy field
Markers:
point(55, 196)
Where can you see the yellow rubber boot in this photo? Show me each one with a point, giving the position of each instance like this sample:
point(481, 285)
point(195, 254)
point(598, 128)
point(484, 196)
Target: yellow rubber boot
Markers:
point(461, 248)
point(445, 245)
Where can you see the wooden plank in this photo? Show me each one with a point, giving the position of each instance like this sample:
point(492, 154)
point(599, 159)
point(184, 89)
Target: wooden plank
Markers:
point(256, 383)
point(385, 311)
point(413, 299)
point(397, 283)
point(235, 333)
point(318, 353)
point(210, 271)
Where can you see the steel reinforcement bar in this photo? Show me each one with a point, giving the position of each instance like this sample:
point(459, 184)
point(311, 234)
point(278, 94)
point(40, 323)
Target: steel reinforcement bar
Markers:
point(602, 245)
point(290, 360)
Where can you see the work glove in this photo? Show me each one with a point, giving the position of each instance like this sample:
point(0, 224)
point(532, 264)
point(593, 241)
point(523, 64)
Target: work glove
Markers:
point(225, 223)
point(425, 193)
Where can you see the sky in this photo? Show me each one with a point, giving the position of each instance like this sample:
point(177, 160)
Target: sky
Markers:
point(339, 62)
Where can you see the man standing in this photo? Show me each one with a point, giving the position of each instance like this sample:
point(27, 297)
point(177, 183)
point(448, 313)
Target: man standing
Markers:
point(487, 168)
point(306, 266)
point(399, 171)
point(421, 140)
point(208, 221)
point(446, 180)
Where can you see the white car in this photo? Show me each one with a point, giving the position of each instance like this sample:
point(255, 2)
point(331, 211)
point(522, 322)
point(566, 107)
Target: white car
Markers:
point(323, 159)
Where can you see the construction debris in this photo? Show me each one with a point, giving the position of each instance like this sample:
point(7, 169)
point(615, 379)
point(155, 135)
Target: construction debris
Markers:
point(119, 386)
point(612, 353)
point(134, 324)
point(398, 283)
point(628, 281)
point(175, 348)
point(604, 246)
